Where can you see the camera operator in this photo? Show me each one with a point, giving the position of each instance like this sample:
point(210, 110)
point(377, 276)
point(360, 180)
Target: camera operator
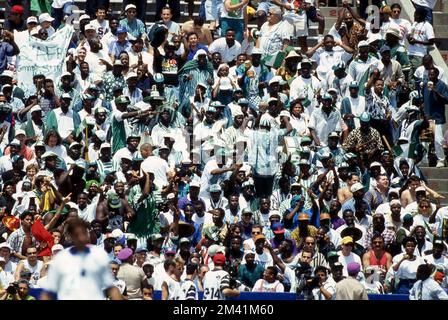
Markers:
point(17, 291)
point(326, 289)
point(301, 279)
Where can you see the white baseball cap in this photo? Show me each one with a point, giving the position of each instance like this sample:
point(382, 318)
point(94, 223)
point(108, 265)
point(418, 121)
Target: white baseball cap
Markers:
point(84, 16)
point(356, 187)
point(130, 6)
point(89, 27)
point(31, 19)
point(45, 17)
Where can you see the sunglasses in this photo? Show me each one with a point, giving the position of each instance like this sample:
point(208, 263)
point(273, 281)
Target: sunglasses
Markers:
point(256, 232)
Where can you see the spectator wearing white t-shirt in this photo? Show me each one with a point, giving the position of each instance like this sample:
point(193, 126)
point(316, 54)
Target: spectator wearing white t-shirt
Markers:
point(227, 46)
point(421, 73)
point(346, 255)
point(269, 282)
point(420, 38)
point(403, 25)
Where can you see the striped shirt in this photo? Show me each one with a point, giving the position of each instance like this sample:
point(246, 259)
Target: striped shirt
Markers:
point(188, 290)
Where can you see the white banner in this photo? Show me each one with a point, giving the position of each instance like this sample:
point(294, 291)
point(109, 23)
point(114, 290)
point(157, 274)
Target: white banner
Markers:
point(42, 57)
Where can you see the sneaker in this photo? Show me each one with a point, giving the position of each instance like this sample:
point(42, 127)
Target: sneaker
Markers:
point(440, 164)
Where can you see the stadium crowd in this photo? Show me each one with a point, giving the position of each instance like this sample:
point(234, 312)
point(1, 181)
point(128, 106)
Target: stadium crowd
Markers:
point(213, 157)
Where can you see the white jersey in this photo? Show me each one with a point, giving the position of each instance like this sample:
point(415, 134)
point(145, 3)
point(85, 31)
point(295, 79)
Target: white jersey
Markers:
point(174, 291)
point(188, 290)
point(214, 282)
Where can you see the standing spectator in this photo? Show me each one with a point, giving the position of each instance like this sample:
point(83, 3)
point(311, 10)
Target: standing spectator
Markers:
point(274, 35)
point(15, 19)
point(234, 16)
point(227, 47)
point(435, 97)
point(81, 271)
point(426, 7)
point(8, 48)
point(350, 288)
point(426, 288)
point(420, 38)
point(135, 27)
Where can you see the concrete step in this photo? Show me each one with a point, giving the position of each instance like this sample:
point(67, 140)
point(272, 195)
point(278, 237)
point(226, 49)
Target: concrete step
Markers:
point(435, 173)
point(438, 184)
point(440, 18)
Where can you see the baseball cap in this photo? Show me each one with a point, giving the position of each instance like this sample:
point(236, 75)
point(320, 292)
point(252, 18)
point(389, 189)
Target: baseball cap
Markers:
point(124, 254)
point(362, 44)
point(84, 17)
point(45, 17)
point(157, 236)
point(89, 27)
point(303, 216)
point(7, 73)
point(324, 216)
point(130, 6)
point(356, 187)
point(407, 217)
point(14, 142)
point(184, 240)
point(219, 259)
point(131, 75)
point(243, 101)
point(420, 189)
point(170, 250)
point(375, 164)
point(36, 108)
point(259, 237)
point(31, 19)
point(337, 265)
point(347, 240)
point(353, 84)
point(273, 213)
point(278, 228)
point(393, 31)
point(195, 183)
point(246, 211)
point(105, 145)
point(19, 132)
point(333, 134)
point(121, 30)
point(114, 201)
point(5, 245)
point(17, 9)
point(326, 96)
point(364, 117)
point(140, 250)
point(275, 79)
